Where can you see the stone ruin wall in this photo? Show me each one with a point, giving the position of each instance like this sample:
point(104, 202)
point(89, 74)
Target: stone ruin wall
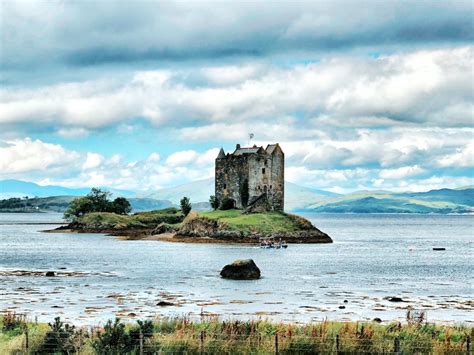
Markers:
point(230, 175)
point(232, 171)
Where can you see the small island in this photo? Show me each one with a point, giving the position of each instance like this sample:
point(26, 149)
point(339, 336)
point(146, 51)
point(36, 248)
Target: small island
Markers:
point(217, 226)
point(248, 207)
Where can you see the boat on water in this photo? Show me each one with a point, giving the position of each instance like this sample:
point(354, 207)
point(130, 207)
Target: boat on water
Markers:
point(270, 243)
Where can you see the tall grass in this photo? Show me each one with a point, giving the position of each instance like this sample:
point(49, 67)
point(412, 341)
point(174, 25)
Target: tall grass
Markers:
point(180, 335)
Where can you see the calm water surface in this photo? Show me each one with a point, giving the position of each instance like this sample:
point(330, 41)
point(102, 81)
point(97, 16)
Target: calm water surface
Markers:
point(373, 257)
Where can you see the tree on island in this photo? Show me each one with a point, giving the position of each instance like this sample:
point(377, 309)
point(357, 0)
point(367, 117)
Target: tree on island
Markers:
point(214, 202)
point(185, 205)
point(97, 201)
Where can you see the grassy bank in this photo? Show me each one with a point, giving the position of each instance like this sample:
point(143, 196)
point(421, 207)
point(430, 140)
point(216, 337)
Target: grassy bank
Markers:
point(106, 220)
point(181, 336)
point(269, 222)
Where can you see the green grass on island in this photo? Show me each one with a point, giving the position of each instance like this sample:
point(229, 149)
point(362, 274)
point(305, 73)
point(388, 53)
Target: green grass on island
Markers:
point(234, 220)
point(267, 222)
point(180, 335)
point(108, 220)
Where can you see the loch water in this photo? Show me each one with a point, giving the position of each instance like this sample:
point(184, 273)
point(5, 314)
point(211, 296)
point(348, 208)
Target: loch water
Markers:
point(373, 257)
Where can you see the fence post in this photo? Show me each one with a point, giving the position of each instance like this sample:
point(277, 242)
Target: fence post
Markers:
point(27, 344)
point(202, 342)
point(396, 345)
point(468, 345)
point(276, 343)
point(337, 344)
point(141, 342)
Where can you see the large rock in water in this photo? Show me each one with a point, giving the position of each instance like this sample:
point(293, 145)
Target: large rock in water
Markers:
point(241, 270)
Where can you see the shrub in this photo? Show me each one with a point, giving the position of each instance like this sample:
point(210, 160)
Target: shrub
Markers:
point(214, 202)
point(96, 201)
point(62, 338)
point(227, 204)
point(12, 322)
point(185, 205)
point(146, 328)
point(113, 340)
point(121, 206)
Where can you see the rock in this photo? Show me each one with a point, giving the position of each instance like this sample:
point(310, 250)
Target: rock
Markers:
point(241, 270)
point(50, 274)
point(161, 228)
point(395, 299)
point(377, 320)
point(346, 301)
point(342, 307)
point(439, 249)
point(164, 304)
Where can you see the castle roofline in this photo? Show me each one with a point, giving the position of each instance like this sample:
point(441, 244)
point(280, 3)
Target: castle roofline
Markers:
point(249, 150)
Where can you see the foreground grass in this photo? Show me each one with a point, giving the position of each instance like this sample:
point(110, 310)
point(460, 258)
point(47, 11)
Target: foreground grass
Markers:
point(268, 222)
point(210, 335)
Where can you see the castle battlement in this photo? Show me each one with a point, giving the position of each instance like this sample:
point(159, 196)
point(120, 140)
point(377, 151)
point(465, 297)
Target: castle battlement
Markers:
point(253, 177)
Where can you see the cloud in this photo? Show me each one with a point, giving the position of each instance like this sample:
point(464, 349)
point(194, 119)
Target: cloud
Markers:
point(429, 86)
point(92, 34)
point(463, 157)
point(26, 155)
point(381, 98)
point(402, 172)
point(93, 160)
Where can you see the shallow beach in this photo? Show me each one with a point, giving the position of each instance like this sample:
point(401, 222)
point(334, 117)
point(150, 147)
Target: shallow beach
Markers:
point(373, 258)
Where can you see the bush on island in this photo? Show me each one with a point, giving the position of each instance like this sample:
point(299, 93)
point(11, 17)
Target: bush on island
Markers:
point(227, 204)
point(185, 205)
point(214, 202)
point(96, 201)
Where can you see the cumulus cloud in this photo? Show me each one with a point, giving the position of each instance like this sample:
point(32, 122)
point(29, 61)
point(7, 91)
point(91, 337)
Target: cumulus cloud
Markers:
point(382, 98)
point(49, 163)
point(433, 87)
point(93, 160)
point(26, 155)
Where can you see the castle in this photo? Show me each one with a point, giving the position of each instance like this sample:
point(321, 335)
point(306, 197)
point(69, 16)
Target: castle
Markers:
point(251, 178)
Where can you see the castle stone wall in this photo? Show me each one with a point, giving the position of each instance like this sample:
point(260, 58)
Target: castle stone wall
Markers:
point(260, 172)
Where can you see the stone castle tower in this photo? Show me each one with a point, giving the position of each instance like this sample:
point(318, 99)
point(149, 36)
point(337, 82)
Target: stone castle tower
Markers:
point(253, 178)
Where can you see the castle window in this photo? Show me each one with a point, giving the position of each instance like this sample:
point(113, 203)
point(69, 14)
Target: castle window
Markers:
point(266, 162)
point(270, 187)
point(263, 170)
point(265, 188)
point(225, 186)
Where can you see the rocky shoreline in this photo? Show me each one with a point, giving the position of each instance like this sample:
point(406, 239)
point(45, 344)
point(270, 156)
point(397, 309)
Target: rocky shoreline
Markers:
point(200, 229)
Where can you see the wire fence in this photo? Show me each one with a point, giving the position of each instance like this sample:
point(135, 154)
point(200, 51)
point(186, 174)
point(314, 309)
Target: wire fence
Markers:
point(202, 343)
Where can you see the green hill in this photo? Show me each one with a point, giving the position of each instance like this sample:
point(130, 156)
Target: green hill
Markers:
point(442, 201)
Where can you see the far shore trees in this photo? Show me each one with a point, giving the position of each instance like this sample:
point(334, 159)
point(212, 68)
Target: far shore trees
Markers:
point(97, 201)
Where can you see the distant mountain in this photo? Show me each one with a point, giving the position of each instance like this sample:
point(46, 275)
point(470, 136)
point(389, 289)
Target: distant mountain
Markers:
point(199, 191)
point(19, 188)
point(297, 198)
point(442, 201)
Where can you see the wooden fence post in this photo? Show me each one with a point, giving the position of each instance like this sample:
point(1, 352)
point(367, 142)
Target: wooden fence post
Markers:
point(337, 344)
point(276, 343)
point(27, 343)
point(468, 345)
point(141, 342)
point(202, 342)
point(396, 345)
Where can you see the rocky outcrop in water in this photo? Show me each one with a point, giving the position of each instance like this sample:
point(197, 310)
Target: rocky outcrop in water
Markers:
point(203, 227)
point(241, 270)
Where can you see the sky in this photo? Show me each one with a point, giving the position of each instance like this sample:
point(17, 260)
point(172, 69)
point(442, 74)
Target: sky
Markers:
point(140, 95)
